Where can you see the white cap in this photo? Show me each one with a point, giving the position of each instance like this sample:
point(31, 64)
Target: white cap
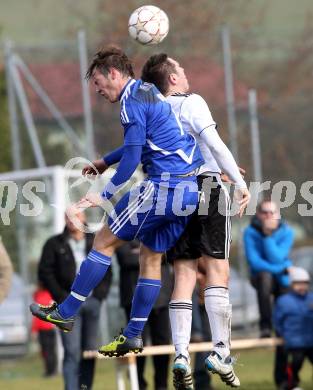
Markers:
point(298, 274)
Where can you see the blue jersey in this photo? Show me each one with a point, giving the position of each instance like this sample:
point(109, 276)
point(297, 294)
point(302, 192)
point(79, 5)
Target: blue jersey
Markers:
point(148, 120)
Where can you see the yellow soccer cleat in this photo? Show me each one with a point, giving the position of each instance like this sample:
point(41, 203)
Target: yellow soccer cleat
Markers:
point(122, 345)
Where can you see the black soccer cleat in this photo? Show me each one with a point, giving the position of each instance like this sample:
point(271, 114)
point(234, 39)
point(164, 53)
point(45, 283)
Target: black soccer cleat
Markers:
point(51, 314)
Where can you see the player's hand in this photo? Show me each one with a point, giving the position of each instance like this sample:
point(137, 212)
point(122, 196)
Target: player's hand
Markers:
point(96, 167)
point(242, 196)
point(226, 179)
point(90, 200)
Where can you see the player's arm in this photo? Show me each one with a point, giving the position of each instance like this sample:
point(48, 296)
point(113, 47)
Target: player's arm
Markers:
point(127, 166)
point(134, 139)
point(102, 164)
point(198, 115)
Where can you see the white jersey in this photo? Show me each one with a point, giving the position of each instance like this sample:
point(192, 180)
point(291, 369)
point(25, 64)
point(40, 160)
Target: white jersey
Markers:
point(195, 116)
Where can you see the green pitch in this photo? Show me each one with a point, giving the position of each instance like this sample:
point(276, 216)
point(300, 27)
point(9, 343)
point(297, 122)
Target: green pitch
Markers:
point(254, 369)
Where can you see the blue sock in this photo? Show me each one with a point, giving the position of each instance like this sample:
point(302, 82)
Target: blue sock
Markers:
point(146, 293)
point(91, 272)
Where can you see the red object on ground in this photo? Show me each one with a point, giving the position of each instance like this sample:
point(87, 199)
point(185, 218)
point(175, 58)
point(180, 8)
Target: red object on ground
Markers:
point(44, 298)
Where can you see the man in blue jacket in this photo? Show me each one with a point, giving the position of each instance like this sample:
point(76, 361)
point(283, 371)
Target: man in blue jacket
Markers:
point(293, 321)
point(268, 241)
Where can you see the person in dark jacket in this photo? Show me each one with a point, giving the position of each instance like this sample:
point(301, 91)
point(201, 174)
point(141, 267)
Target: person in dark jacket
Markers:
point(293, 320)
point(268, 241)
point(158, 321)
point(61, 258)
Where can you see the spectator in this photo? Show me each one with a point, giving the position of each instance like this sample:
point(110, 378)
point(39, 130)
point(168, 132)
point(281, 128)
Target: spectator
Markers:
point(268, 241)
point(6, 271)
point(46, 334)
point(158, 321)
point(293, 320)
point(61, 257)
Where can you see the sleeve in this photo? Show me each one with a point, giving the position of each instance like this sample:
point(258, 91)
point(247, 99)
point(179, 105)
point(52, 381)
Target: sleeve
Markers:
point(127, 166)
point(133, 119)
point(223, 156)
point(46, 273)
point(254, 258)
point(196, 113)
point(278, 251)
point(114, 157)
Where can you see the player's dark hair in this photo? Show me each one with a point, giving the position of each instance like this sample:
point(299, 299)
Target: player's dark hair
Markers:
point(111, 57)
point(157, 70)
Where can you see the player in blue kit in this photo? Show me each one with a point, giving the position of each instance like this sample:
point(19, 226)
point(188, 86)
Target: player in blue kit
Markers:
point(156, 212)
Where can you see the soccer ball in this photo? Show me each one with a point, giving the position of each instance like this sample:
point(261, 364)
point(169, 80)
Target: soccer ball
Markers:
point(148, 25)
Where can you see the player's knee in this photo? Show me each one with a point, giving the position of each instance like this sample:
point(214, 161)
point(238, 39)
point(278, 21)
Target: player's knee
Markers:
point(185, 277)
point(106, 242)
point(217, 272)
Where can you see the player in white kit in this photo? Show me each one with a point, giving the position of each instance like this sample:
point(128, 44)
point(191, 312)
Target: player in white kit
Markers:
point(208, 234)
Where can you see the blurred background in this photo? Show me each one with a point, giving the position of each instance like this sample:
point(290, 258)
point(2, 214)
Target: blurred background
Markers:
point(49, 115)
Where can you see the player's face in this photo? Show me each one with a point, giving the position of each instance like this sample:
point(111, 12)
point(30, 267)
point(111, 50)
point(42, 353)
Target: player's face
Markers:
point(106, 86)
point(181, 79)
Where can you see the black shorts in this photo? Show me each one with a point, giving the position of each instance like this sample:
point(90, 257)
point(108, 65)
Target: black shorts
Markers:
point(209, 229)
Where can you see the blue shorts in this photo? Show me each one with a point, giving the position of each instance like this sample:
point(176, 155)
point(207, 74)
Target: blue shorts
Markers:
point(155, 212)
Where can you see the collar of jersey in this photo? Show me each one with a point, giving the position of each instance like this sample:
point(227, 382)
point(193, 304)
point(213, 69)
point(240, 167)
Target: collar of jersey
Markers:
point(126, 89)
point(181, 94)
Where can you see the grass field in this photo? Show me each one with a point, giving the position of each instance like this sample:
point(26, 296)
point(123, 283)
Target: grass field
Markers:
point(254, 369)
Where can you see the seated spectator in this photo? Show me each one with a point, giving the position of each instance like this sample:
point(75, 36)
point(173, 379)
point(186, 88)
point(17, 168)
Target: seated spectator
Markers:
point(267, 242)
point(293, 321)
point(158, 321)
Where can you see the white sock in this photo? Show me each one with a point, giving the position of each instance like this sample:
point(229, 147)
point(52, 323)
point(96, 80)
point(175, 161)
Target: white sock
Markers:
point(219, 309)
point(180, 313)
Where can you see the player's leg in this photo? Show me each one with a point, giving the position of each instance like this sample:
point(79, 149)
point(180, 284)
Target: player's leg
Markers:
point(146, 294)
point(218, 308)
point(214, 245)
point(180, 306)
point(157, 233)
point(180, 312)
point(91, 272)
point(183, 256)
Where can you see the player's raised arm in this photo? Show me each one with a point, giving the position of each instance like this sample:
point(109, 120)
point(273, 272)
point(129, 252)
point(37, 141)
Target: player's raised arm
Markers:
point(203, 124)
